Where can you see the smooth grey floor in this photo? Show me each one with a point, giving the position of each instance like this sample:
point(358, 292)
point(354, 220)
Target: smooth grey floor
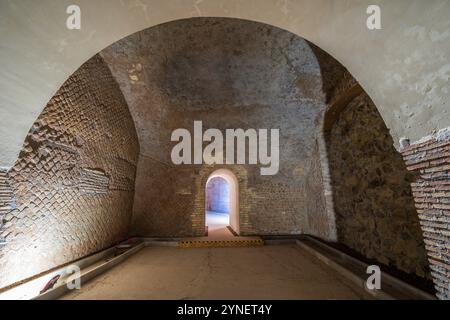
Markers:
point(267, 272)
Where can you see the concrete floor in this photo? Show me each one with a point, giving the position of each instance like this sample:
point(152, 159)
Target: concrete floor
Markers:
point(217, 224)
point(267, 272)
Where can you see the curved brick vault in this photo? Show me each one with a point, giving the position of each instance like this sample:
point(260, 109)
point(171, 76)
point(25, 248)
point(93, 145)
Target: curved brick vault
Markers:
point(95, 167)
point(409, 56)
point(71, 189)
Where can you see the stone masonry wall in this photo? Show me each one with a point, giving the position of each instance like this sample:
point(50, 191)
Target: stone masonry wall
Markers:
point(72, 185)
point(430, 160)
point(373, 202)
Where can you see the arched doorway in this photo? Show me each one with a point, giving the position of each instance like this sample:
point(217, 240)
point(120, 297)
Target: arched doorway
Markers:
point(221, 203)
point(217, 205)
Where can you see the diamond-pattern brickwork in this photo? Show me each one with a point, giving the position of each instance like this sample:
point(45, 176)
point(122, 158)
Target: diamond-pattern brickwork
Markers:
point(74, 179)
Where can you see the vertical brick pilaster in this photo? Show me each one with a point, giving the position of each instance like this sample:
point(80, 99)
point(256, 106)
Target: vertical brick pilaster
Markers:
point(431, 160)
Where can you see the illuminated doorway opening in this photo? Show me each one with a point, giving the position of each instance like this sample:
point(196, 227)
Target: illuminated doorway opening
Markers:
point(221, 204)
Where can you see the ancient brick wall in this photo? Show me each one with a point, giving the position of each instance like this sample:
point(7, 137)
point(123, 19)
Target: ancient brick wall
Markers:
point(167, 202)
point(374, 207)
point(170, 199)
point(430, 161)
point(229, 74)
point(70, 193)
point(318, 221)
point(6, 198)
